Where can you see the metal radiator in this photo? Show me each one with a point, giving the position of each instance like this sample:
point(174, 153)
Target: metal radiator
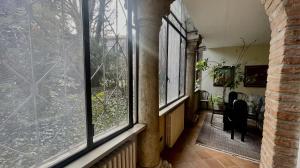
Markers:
point(174, 125)
point(124, 157)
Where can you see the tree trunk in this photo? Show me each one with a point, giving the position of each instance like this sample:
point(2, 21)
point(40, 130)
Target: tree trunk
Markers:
point(92, 5)
point(224, 94)
point(100, 20)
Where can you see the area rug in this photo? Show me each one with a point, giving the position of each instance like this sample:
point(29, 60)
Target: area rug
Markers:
point(213, 136)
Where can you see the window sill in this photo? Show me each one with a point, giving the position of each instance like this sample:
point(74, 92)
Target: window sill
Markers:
point(170, 107)
point(99, 153)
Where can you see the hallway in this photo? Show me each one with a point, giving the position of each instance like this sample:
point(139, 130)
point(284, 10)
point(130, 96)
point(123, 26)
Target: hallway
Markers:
point(187, 154)
point(112, 83)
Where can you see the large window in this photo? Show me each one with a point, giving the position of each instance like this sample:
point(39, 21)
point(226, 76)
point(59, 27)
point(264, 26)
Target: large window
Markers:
point(163, 53)
point(182, 67)
point(173, 65)
point(109, 68)
point(172, 57)
point(65, 67)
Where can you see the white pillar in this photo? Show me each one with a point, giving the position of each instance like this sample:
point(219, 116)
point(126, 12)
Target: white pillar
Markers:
point(194, 40)
point(149, 13)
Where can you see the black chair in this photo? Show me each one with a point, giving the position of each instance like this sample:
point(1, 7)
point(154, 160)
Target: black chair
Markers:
point(204, 98)
point(232, 97)
point(229, 110)
point(254, 112)
point(238, 119)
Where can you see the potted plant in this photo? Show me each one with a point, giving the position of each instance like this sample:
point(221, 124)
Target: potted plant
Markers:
point(220, 74)
point(202, 65)
point(217, 102)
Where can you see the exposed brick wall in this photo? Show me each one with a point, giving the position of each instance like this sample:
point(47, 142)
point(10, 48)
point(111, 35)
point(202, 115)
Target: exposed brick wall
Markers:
point(281, 132)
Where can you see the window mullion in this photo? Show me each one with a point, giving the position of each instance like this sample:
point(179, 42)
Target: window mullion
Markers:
point(167, 64)
point(87, 73)
point(179, 79)
point(130, 66)
point(137, 62)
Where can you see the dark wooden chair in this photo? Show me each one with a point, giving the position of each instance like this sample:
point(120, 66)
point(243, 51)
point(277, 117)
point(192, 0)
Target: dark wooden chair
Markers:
point(229, 110)
point(238, 118)
point(204, 95)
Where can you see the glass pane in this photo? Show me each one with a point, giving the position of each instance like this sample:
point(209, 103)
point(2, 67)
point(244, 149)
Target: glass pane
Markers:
point(162, 63)
point(179, 10)
point(42, 109)
point(173, 64)
point(182, 67)
point(134, 71)
point(109, 66)
point(176, 8)
point(174, 21)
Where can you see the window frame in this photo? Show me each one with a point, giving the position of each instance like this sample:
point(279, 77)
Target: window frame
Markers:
point(90, 143)
point(182, 37)
point(137, 37)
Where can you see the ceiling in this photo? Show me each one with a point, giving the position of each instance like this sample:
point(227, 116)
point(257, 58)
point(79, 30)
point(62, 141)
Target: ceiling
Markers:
point(222, 23)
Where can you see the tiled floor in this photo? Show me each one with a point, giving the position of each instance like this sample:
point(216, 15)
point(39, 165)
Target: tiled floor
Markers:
point(187, 154)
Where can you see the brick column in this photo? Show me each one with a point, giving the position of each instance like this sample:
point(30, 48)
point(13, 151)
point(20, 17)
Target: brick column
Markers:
point(149, 13)
point(281, 132)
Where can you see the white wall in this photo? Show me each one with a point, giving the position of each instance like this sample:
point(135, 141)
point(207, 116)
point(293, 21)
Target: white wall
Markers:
point(256, 55)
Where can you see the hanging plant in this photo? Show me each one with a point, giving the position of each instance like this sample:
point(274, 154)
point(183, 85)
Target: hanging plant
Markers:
point(219, 72)
point(202, 65)
point(238, 77)
point(216, 70)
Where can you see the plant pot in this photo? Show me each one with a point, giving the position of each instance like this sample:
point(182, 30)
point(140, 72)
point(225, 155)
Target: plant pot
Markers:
point(219, 106)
